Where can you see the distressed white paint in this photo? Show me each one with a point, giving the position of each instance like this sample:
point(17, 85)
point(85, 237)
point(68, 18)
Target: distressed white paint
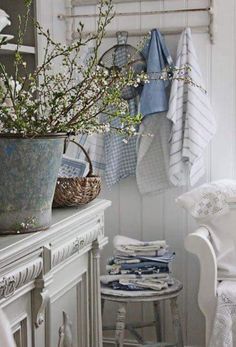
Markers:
point(153, 217)
point(199, 244)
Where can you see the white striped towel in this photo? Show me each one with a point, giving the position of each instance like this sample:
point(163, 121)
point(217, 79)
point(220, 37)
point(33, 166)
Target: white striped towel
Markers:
point(193, 122)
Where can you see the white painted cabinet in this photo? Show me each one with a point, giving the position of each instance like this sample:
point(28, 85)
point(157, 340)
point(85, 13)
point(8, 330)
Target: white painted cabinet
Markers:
point(49, 281)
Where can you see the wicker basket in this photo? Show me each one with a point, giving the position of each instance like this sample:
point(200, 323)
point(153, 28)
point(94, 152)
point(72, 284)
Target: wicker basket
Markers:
point(75, 191)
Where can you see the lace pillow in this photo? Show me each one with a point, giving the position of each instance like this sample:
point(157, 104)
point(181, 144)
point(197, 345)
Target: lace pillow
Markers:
point(209, 205)
point(211, 199)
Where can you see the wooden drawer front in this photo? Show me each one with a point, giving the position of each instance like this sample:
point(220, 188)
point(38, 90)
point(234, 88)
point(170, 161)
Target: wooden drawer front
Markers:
point(83, 312)
point(20, 333)
point(69, 317)
point(19, 313)
point(68, 309)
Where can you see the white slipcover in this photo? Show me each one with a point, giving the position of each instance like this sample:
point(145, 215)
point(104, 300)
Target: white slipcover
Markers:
point(213, 205)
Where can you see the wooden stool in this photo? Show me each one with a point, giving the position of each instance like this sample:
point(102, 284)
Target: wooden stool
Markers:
point(124, 297)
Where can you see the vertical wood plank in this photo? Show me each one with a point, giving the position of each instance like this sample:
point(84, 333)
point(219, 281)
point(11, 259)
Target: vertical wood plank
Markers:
point(131, 226)
point(174, 220)
point(112, 228)
point(152, 205)
point(194, 317)
point(223, 92)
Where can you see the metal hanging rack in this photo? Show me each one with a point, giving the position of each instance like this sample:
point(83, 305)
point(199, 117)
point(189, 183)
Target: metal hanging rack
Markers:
point(210, 28)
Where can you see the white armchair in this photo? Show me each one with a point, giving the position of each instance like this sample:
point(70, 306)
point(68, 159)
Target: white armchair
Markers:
point(199, 244)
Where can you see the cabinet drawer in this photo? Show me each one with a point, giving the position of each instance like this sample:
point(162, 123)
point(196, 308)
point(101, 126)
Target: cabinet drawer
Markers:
point(79, 242)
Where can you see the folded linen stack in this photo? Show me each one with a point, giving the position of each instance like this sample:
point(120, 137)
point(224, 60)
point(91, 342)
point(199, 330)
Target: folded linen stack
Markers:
point(138, 265)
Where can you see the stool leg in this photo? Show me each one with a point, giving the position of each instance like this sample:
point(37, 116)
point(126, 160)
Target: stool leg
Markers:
point(102, 306)
point(156, 307)
point(120, 325)
point(176, 322)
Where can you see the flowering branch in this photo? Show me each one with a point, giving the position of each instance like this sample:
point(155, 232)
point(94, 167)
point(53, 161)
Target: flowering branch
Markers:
point(72, 98)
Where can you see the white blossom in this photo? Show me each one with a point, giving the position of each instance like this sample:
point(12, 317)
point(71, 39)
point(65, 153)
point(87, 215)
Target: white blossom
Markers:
point(15, 85)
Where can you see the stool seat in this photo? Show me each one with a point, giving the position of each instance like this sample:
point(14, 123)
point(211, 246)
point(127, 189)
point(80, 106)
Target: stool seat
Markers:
point(124, 297)
point(141, 295)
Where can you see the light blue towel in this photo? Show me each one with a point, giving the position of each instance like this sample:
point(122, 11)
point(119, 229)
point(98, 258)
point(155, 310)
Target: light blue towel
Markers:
point(153, 97)
point(153, 151)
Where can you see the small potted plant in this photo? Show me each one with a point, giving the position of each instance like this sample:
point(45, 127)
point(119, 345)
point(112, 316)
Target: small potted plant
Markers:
point(39, 110)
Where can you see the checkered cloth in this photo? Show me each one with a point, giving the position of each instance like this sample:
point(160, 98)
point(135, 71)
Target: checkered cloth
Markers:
point(120, 157)
point(153, 154)
point(73, 167)
point(94, 145)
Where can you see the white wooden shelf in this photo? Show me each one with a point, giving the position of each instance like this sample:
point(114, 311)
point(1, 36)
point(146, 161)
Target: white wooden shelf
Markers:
point(10, 48)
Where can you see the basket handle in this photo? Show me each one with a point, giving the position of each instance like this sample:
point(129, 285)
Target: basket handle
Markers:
point(90, 173)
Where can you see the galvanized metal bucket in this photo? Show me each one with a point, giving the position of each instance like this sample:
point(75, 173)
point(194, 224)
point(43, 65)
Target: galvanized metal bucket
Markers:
point(28, 175)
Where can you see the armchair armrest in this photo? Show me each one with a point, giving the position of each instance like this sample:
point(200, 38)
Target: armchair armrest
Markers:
point(199, 244)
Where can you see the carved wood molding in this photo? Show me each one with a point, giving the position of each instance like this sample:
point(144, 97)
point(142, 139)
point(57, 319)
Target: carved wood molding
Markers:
point(77, 244)
point(96, 2)
point(101, 227)
point(43, 299)
point(18, 278)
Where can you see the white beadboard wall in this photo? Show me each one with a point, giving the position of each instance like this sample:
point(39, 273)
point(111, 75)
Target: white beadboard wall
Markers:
point(157, 216)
